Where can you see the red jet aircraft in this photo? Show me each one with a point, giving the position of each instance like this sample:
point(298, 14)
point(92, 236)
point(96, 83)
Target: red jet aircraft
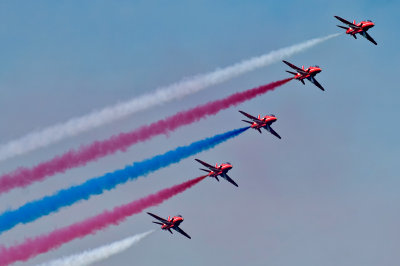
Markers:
point(171, 223)
point(264, 122)
point(308, 73)
point(360, 28)
point(215, 171)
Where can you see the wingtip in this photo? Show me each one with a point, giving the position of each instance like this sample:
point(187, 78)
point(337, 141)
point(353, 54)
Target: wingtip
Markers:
point(234, 183)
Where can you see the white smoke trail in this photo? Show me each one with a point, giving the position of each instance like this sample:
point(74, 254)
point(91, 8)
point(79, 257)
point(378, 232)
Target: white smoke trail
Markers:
point(101, 253)
point(162, 95)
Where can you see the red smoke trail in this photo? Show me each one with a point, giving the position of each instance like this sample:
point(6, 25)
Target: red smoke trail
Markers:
point(24, 176)
point(41, 244)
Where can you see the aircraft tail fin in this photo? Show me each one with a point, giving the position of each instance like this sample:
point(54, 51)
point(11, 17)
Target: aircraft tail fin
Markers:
point(205, 170)
point(302, 81)
point(158, 223)
point(247, 121)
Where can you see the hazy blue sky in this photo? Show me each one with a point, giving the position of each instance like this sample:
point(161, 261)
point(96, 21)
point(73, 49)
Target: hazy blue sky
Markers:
point(326, 194)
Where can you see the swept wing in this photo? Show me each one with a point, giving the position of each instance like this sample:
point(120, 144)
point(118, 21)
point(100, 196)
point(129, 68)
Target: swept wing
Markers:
point(176, 228)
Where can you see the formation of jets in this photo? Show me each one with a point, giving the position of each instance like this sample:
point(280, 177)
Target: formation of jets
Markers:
point(266, 121)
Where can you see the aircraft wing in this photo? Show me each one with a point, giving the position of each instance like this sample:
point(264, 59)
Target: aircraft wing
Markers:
point(176, 228)
point(230, 180)
point(368, 37)
point(315, 82)
point(294, 67)
point(207, 165)
point(273, 132)
point(158, 217)
point(346, 22)
point(249, 116)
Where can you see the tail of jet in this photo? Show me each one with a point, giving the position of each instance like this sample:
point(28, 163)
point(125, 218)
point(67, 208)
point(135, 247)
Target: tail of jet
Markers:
point(208, 171)
point(247, 122)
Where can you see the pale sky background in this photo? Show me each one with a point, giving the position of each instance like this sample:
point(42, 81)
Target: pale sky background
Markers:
point(326, 194)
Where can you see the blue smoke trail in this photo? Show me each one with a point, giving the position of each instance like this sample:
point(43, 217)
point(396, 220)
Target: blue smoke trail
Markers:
point(66, 197)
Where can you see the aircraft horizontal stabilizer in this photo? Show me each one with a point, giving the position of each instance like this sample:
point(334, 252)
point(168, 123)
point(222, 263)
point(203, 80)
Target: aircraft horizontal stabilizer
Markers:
point(343, 27)
point(290, 72)
point(247, 121)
